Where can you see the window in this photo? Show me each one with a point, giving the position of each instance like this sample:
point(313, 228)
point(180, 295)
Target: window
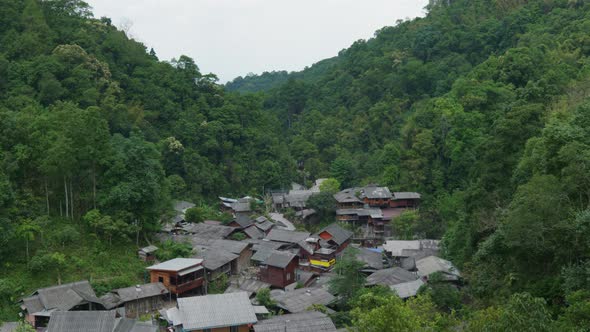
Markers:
point(288, 276)
point(234, 328)
point(161, 279)
point(206, 330)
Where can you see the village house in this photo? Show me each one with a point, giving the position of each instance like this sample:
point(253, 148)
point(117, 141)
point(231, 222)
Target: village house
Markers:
point(73, 296)
point(289, 239)
point(407, 289)
point(137, 300)
point(348, 199)
point(147, 254)
point(319, 251)
point(432, 264)
point(95, 321)
point(181, 276)
point(250, 286)
point(299, 300)
point(238, 257)
point(372, 259)
point(405, 252)
point(376, 196)
point(217, 262)
point(309, 321)
point(390, 277)
point(278, 269)
point(405, 199)
point(231, 312)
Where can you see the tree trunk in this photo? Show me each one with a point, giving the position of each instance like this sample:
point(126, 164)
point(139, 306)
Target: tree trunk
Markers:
point(93, 185)
point(47, 196)
point(71, 200)
point(66, 194)
point(27, 246)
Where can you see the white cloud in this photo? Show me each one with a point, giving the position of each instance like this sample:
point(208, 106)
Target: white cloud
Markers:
point(235, 37)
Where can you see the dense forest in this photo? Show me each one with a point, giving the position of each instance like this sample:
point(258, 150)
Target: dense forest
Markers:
point(483, 106)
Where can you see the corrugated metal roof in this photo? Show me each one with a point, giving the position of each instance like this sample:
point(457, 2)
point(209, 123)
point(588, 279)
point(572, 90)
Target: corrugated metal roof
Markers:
point(280, 235)
point(61, 297)
point(176, 264)
point(209, 231)
point(215, 258)
point(392, 276)
point(214, 311)
point(371, 259)
point(279, 259)
point(253, 232)
point(301, 299)
point(373, 192)
point(406, 195)
point(311, 321)
point(431, 264)
point(407, 289)
point(339, 234)
point(146, 290)
point(8, 327)
point(77, 321)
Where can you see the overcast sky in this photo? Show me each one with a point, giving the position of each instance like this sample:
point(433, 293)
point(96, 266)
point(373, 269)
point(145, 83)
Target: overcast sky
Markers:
point(235, 37)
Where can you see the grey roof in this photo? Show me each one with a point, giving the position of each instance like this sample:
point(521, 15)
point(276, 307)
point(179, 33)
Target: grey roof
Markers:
point(243, 220)
point(371, 259)
point(87, 321)
point(146, 290)
point(304, 276)
point(215, 258)
point(177, 219)
point(372, 212)
point(262, 254)
point(310, 321)
point(213, 311)
point(182, 206)
point(278, 198)
point(406, 195)
point(347, 196)
point(261, 219)
point(374, 192)
point(280, 235)
point(265, 225)
point(61, 297)
point(209, 231)
point(279, 259)
point(149, 249)
point(131, 325)
point(253, 232)
point(407, 289)
point(401, 248)
point(298, 198)
point(392, 276)
point(8, 327)
point(339, 234)
point(299, 300)
point(235, 247)
point(242, 205)
point(431, 264)
point(306, 246)
point(258, 244)
point(176, 264)
point(250, 286)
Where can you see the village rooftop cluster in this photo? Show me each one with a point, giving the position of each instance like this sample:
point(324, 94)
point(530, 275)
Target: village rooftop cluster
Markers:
point(296, 266)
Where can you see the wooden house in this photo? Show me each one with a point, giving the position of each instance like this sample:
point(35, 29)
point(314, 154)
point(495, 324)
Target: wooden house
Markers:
point(230, 312)
point(376, 196)
point(147, 254)
point(67, 297)
point(319, 252)
point(347, 199)
point(278, 269)
point(181, 276)
point(405, 199)
point(137, 300)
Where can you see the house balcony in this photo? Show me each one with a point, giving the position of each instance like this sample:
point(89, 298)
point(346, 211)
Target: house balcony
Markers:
point(187, 286)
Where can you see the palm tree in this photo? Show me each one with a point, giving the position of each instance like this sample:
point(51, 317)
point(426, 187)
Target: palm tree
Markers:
point(26, 231)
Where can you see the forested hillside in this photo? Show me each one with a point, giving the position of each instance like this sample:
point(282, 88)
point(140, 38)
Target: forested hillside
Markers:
point(482, 106)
